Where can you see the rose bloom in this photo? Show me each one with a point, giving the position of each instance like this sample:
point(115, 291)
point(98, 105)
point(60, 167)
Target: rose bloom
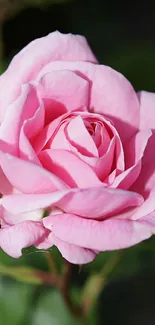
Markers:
point(77, 153)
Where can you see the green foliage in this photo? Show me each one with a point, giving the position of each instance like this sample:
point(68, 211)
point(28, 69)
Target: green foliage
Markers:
point(14, 301)
point(50, 309)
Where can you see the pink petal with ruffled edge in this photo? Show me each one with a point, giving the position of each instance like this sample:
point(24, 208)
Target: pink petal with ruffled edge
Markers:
point(72, 253)
point(10, 218)
point(105, 140)
point(111, 94)
point(63, 91)
point(59, 140)
point(146, 208)
point(25, 203)
point(80, 137)
point(98, 203)
point(146, 180)
point(72, 170)
point(102, 165)
point(21, 109)
point(101, 235)
point(28, 177)
point(30, 129)
point(133, 155)
point(13, 239)
point(91, 202)
point(27, 63)
point(147, 110)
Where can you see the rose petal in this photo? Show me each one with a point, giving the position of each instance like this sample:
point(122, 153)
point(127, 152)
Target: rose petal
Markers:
point(101, 235)
point(98, 202)
point(30, 129)
point(91, 202)
point(136, 147)
point(79, 137)
point(28, 177)
point(27, 63)
point(34, 125)
point(63, 91)
point(72, 170)
point(21, 109)
point(13, 239)
point(105, 140)
point(133, 156)
point(111, 95)
point(12, 219)
point(150, 220)
point(49, 133)
point(120, 102)
point(59, 140)
point(102, 165)
point(125, 180)
point(146, 180)
point(20, 203)
point(146, 208)
point(147, 108)
point(25, 149)
point(5, 186)
point(72, 253)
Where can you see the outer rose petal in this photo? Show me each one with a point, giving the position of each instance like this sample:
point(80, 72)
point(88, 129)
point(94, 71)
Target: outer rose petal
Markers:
point(146, 208)
point(11, 219)
point(13, 239)
point(72, 253)
point(90, 202)
point(23, 203)
point(150, 220)
point(28, 177)
point(98, 203)
point(147, 110)
point(104, 235)
point(27, 63)
point(21, 109)
point(111, 94)
point(29, 130)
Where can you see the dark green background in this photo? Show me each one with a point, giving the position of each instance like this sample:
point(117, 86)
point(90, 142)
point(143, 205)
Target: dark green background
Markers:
point(121, 35)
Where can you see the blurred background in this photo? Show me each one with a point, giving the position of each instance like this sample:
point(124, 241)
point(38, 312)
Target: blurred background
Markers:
point(122, 35)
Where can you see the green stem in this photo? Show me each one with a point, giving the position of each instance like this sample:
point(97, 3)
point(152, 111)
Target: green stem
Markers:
point(51, 263)
point(61, 282)
point(64, 289)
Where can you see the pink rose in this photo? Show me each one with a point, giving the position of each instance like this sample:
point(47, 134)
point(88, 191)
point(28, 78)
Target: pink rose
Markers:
point(77, 148)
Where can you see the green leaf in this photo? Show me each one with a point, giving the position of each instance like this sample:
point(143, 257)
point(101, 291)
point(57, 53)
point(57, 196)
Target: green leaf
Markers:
point(52, 310)
point(14, 300)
